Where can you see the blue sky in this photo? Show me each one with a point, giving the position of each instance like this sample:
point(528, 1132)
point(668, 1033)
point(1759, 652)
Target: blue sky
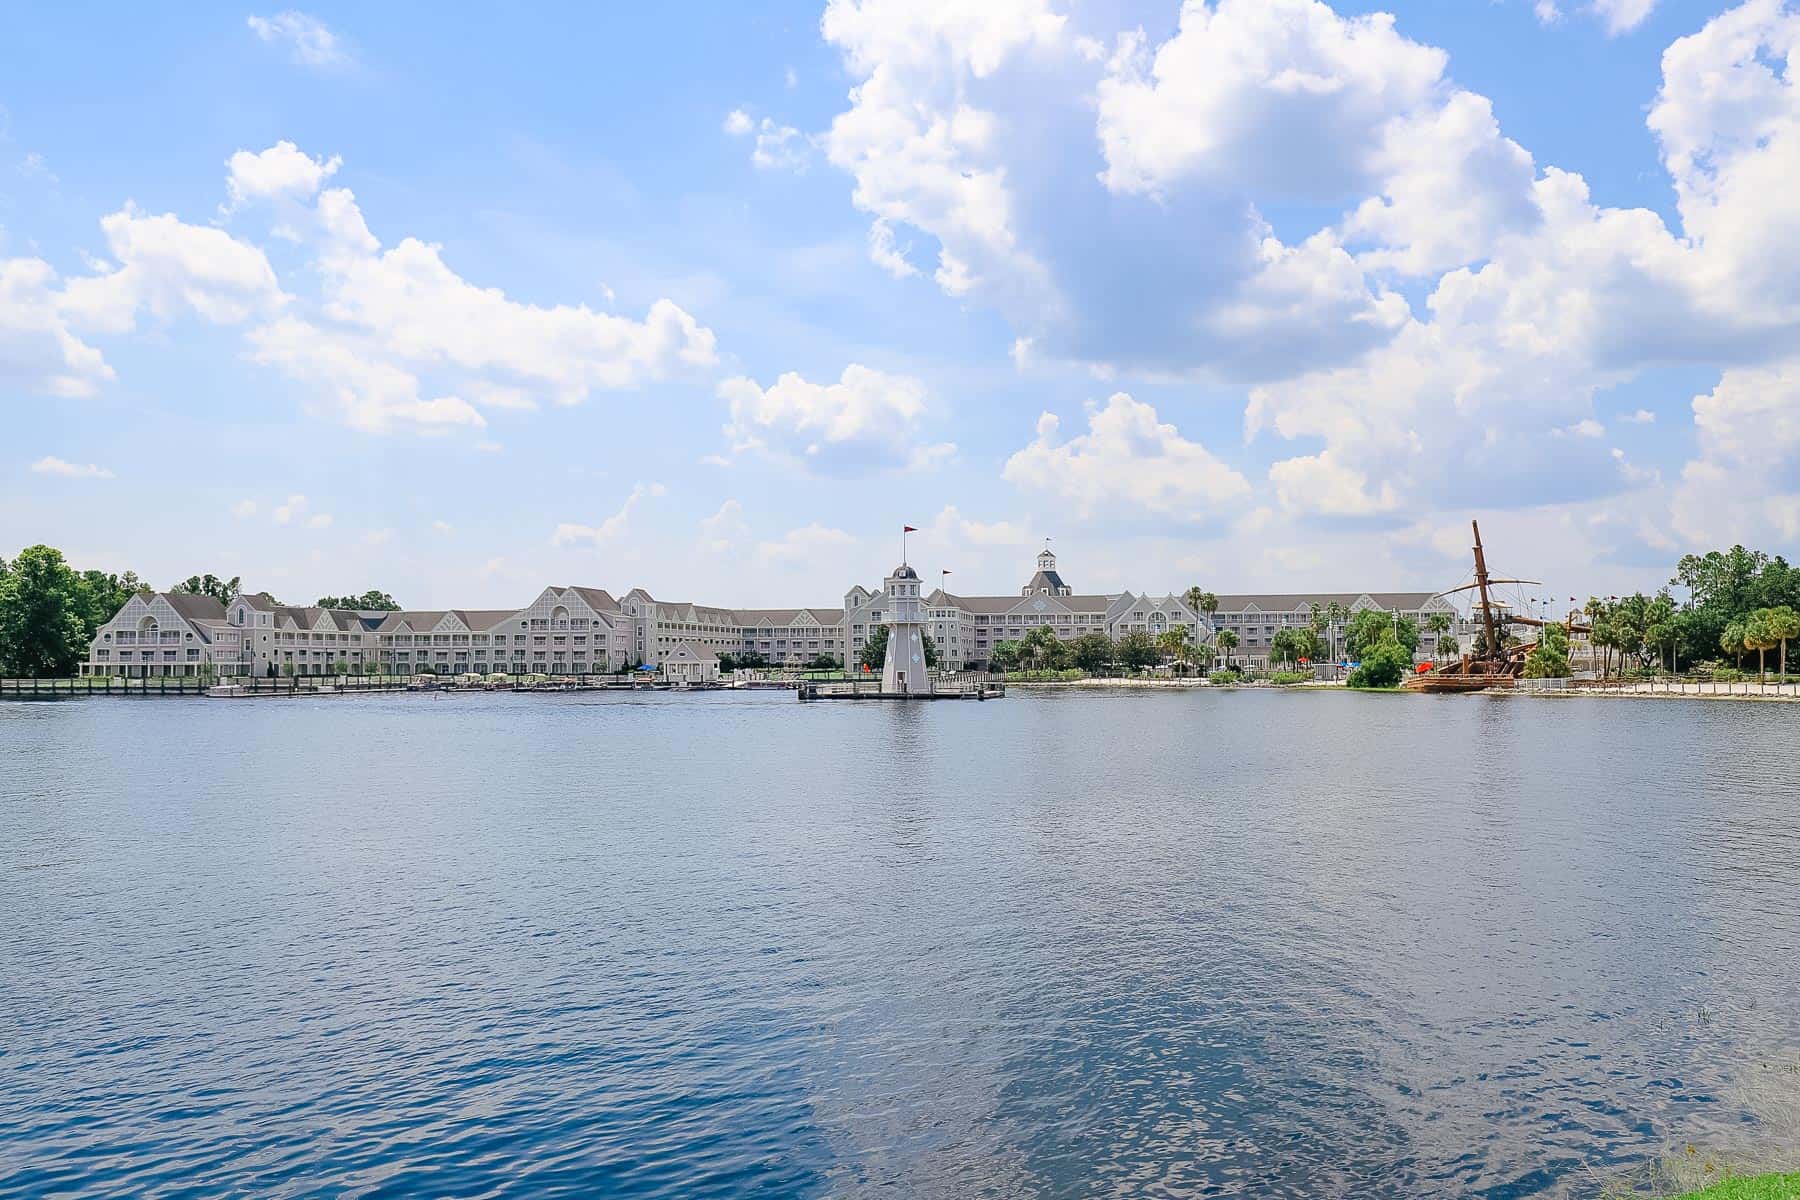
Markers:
point(711, 299)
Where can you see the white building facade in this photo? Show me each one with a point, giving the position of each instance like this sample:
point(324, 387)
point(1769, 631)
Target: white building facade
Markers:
point(580, 630)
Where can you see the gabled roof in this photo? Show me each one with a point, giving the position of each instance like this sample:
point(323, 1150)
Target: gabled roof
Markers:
point(598, 599)
point(1159, 603)
point(692, 653)
point(416, 619)
point(483, 619)
point(992, 605)
point(1291, 602)
point(419, 620)
point(194, 608)
point(783, 618)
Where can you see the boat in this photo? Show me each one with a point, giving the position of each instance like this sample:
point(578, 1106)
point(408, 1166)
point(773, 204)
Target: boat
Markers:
point(1499, 667)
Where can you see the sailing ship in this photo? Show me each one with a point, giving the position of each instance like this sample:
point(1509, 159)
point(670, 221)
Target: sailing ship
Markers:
point(1497, 666)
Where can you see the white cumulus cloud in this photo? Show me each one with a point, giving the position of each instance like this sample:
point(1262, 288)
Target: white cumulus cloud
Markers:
point(805, 544)
point(1623, 16)
point(308, 40)
point(1128, 461)
point(51, 465)
point(396, 339)
point(726, 529)
point(572, 533)
point(867, 419)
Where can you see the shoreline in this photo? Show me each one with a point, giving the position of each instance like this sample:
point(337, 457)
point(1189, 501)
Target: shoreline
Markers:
point(1640, 691)
point(1788, 693)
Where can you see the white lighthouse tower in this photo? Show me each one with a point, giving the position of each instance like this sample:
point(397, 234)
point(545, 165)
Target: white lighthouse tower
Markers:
point(903, 672)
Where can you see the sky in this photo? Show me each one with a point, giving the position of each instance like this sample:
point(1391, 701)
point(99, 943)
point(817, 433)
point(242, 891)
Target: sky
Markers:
point(712, 299)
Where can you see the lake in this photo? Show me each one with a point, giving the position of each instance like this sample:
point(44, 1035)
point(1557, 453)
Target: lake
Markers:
point(1062, 945)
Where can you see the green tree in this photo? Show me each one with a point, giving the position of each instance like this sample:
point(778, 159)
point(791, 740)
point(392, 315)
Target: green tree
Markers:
point(1203, 654)
point(43, 604)
point(1372, 626)
point(1226, 640)
point(1043, 649)
point(1092, 652)
point(1336, 614)
point(1384, 664)
point(1202, 601)
point(1549, 659)
point(1137, 650)
point(874, 651)
point(1727, 586)
point(369, 601)
point(1784, 624)
point(1005, 655)
point(222, 590)
point(1174, 645)
point(1293, 644)
point(1662, 631)
point(1630, 622)
point(1443, 644)
point(1734, 641)
point(104, 594)
point(1760, 636)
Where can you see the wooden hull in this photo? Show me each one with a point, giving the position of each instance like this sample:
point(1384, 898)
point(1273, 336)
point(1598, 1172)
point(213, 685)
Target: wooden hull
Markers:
point(1435, 682)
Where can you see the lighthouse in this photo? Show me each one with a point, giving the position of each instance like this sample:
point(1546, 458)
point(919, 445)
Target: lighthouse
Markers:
point(903, 672)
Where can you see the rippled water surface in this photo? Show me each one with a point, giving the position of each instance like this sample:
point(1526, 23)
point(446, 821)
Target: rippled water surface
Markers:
point(1062, 945)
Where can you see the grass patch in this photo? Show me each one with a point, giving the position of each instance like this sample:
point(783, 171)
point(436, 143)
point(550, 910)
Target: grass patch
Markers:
point(1758, 1187)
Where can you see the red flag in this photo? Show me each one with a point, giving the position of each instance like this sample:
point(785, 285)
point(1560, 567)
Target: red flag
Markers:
point(909, 529)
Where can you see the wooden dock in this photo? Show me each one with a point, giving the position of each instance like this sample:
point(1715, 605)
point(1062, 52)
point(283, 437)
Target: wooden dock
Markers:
point(857, 689)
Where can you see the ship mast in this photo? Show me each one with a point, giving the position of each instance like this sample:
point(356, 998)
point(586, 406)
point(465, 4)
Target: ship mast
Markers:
point(1487, 609)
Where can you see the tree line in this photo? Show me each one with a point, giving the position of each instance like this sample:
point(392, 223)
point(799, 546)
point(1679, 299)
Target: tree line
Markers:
point(1739, 603)
point(49, 611)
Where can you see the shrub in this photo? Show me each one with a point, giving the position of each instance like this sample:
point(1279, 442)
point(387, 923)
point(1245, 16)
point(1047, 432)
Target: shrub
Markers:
point(1284, 678)
point(1384, 665)
point(1226, 678)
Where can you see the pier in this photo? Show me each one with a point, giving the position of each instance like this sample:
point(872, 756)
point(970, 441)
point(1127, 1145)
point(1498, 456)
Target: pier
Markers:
point(871, 689)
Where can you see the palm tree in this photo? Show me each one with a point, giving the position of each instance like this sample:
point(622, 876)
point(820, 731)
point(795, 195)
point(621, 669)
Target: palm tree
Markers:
point(1439, 624)
point(1336, 614)
point(1784, 623)
point(1732, 641)
point(1173, 642)
point(1760, 638)
point(1201, 601)
point(1227, 642)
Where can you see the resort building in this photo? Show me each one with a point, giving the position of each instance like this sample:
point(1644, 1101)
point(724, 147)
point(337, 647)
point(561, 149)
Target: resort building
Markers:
point(165, 634)
point(580, 630)
point(688, 663)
